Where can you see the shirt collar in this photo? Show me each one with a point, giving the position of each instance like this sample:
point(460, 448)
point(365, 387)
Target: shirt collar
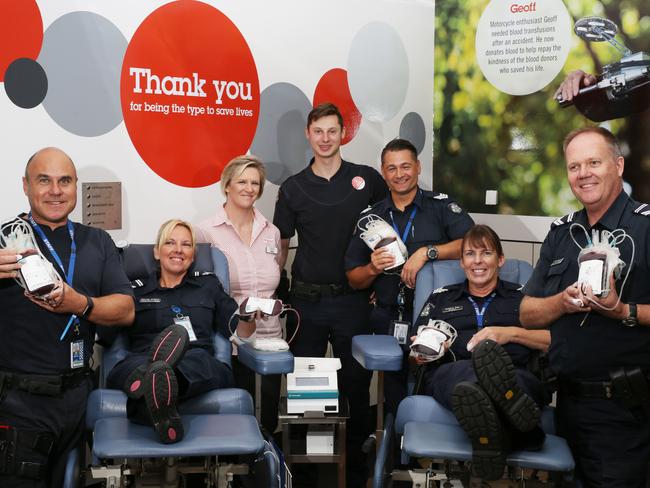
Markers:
point(418, 200)
point(463, 290)
point(612, 217)
point(342, 170)
point(220, 216)
point(259, 221)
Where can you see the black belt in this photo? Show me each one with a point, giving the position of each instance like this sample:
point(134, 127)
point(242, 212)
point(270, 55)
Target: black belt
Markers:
point(588, 389)
point(591, 389)
point(42, 384)
point(320, 290)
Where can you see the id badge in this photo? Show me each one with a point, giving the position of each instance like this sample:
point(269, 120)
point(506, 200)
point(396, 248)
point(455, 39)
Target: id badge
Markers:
point(187, 323)
point(77, 354)
point(271, 249)
point(400, 330)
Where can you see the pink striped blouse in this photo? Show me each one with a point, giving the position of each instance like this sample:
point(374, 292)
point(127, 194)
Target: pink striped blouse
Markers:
point(254, 269)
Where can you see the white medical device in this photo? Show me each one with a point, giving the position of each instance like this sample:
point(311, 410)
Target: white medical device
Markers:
point(313, 385)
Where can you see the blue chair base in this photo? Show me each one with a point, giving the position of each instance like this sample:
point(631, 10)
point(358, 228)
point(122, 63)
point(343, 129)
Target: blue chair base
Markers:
point(441, 441)
point(431, 431)
point(205, 435)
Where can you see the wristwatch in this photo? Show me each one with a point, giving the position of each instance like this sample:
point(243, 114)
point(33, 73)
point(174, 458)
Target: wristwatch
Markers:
point(90, 304)
point(631, 320)
point(432, 252)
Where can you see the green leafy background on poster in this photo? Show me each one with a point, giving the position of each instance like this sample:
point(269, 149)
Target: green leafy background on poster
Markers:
point(485, 139)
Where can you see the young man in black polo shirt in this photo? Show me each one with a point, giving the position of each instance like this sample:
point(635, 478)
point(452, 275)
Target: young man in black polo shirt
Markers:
point(431, 225)
point(321, 204)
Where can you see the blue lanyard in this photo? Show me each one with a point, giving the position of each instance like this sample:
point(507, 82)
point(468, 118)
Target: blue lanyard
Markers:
point(405, 235)
point(481, 313)
point(69, 276)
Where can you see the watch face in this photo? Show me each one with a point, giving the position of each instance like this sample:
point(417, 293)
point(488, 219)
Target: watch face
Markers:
point(432, 253)
point(630, 321)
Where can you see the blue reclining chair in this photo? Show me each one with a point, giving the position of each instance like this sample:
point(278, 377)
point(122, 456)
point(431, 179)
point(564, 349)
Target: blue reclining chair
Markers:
point(218, 422)
point(427, 429)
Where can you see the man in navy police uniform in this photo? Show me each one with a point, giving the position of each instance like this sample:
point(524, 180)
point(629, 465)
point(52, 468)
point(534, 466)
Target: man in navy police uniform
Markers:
point(430, 224)
point(600, 346)
point(44, 363)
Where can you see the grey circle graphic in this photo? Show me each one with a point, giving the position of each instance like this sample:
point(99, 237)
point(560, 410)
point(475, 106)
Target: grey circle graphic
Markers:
point(25, 83)
point(378, 71)
point(280, 136)
point(412, 129)
point(82, 55)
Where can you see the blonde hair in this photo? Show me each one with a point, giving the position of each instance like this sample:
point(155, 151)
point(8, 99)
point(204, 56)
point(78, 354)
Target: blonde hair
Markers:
point(168, 227)
point(240, 164)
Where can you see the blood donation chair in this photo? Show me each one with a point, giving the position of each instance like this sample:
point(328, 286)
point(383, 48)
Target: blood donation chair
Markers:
point(425, 430)
point(217, 423)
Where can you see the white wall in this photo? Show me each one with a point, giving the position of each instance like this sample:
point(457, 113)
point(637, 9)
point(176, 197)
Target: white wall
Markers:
point(291, 41)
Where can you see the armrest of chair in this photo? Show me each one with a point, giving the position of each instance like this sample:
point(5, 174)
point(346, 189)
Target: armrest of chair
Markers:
point(422, 408)
point(112, 355)
point(104, 403)
point(377, 352)
point(222, 349)
point(265, 362)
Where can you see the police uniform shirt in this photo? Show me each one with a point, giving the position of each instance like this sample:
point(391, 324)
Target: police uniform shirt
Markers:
point(438, 220)
point(324, 214)
point(452, 305)
point(588, 352)
point(199, 296)
point(30, 334)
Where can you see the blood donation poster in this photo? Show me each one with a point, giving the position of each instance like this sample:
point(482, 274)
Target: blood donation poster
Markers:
point(159, 95)
point(498, 130)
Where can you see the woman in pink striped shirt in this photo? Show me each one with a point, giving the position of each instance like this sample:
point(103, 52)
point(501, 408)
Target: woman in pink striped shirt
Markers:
point(252, 246)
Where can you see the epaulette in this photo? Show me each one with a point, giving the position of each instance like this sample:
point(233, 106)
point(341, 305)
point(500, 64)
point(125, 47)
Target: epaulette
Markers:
point(439, 290)
point(643, 209)
point(137, 284)
point(563, 220)
point(202, 273)
point(426, 310)
point(440, 196)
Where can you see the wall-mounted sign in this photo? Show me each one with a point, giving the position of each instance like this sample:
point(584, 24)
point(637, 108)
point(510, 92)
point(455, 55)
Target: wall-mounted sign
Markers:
point(101, 203)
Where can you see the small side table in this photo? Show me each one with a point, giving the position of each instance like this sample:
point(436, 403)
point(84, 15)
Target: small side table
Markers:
point(318, 418)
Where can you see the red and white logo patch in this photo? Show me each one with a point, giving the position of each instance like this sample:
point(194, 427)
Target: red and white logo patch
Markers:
point(358, 183)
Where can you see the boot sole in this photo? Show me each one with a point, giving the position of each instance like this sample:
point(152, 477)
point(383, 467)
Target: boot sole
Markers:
point(496, 375)
point(161, 397)
point(478, 418)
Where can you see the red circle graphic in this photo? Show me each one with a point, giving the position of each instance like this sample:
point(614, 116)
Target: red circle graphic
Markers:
point(21, 32)
point(190, 92)
point(333, 87)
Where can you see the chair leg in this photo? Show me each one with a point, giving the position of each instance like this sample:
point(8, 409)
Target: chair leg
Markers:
point(258, 398)
point(171, 473)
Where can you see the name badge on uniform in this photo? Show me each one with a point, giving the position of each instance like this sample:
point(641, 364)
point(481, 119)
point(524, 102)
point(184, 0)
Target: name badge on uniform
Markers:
point(400, 330)
point(77, 354)
point(456, 308)
point(271, 249)
point(184, 321)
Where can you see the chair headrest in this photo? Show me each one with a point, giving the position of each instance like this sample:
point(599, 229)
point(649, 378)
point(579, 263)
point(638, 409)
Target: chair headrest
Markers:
point(138, 260)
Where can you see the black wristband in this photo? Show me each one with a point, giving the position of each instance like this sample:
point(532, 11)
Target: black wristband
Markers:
point(90, 304)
